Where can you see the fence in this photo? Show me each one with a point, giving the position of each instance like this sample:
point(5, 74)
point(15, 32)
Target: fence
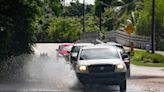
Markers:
point(123, 38)
point(117, 36)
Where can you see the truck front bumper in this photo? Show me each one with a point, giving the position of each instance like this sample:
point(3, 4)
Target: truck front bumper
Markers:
point(102, 78)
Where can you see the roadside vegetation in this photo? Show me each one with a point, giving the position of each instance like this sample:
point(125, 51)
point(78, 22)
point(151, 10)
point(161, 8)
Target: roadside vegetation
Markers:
point(143, 58)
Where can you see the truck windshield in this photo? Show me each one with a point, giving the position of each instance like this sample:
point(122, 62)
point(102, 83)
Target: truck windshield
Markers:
point(99, 53)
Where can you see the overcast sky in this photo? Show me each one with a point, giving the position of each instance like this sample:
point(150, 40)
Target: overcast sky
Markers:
point(81, 1)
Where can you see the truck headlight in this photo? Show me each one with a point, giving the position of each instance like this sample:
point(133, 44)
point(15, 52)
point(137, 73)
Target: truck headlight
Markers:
point(83, 68)
point(120, 68)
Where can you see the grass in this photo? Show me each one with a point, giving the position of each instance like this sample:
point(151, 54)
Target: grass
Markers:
point(143, 58)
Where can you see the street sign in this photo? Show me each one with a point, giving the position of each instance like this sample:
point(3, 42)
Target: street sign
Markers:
point(129, 29)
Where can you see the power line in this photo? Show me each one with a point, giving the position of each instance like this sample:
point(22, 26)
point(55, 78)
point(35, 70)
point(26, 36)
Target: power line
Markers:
point(125, 5)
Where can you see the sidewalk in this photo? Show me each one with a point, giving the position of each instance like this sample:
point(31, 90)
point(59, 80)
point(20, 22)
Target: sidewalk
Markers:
point(159, 52)
point(147, 71)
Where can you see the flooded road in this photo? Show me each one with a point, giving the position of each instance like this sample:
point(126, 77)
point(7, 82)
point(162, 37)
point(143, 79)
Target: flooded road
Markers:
point(52, 74)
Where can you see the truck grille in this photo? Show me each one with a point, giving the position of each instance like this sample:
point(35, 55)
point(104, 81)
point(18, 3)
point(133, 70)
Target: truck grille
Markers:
point(101, 68)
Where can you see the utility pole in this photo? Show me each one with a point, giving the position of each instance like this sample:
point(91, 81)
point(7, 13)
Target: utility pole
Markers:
point(83, 15)
point(153, 28)
point(64, 12)
point(100, 10)
point(100, 28)
point(101, 3)
point(64, 15)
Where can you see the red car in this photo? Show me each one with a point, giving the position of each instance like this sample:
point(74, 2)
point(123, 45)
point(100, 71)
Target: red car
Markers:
point(64, 49)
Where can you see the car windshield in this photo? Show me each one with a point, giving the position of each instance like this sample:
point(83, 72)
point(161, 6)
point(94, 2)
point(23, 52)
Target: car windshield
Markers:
point(67, 48)
point(99, 53)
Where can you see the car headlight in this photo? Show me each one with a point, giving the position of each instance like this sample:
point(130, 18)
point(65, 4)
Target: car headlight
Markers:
point(83, 69)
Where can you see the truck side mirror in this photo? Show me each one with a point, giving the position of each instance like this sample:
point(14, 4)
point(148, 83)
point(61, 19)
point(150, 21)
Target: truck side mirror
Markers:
point(124, 56)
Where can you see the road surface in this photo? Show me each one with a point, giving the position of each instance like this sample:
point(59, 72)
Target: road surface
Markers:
point(52, 74)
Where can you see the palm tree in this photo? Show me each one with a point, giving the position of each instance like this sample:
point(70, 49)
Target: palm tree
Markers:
point(123, 11)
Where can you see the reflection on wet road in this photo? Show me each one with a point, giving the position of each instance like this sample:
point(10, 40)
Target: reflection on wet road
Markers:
point(49, 73)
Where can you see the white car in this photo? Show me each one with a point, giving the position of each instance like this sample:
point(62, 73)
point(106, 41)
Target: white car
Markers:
point(101, 65)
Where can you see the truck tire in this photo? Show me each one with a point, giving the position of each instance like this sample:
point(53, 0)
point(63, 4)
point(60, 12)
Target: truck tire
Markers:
point(123, 85)
point(128, 73)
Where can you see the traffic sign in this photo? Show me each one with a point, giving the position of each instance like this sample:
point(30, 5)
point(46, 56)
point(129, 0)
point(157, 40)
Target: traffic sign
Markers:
point(129, 29)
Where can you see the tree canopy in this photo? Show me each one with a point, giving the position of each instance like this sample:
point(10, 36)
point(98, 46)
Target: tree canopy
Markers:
point(17, 19)
point(23, 22)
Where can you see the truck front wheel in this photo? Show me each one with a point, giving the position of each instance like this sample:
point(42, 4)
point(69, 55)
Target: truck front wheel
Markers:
point(123, 85)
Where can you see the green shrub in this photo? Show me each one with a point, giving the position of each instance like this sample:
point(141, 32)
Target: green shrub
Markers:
point(147, 60)
point(145, 57)
point(138, 56)
point(156, 58)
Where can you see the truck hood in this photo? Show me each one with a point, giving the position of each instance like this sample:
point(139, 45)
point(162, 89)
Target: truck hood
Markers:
point(100, 61)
